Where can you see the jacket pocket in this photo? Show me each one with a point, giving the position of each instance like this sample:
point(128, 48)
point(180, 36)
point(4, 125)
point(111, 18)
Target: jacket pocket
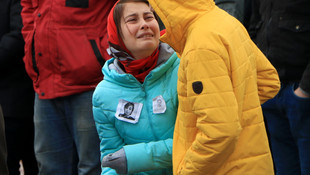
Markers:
point(76, 58)
point(294, 25)
point(97, 52)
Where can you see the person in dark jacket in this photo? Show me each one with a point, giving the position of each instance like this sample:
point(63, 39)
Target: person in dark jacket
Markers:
point(16, 91)
point(281, 29)
point(240, 9)
point(65, 48)
point(3, 151)
point(235, 8)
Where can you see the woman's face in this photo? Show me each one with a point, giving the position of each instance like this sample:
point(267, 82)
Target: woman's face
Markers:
point(140, 29)
point(128, 110)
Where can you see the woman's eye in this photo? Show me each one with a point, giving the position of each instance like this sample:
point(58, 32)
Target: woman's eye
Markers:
point(131, 20)
point(149, 17)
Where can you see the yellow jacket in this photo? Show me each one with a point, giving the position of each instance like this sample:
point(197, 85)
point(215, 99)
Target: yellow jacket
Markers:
point(223, 80)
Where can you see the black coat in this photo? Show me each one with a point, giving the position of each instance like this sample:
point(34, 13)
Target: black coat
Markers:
point(3, 150)
point(281, 29)
point(16, 92)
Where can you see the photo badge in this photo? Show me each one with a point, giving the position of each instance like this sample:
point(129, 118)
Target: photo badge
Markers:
point(128, 111)
point(159, 105)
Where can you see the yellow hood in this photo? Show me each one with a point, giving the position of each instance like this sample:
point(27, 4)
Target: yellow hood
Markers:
point(177, 15)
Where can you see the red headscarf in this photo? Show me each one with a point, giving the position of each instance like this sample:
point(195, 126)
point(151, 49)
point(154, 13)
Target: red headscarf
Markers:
point(112, 31)
point(138, 68)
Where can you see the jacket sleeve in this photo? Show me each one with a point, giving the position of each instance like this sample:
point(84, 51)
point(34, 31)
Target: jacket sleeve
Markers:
point(305, 81)
point(151, 156)
point(110, 141)
point(27, 17)
point(12, 43)
point(268, 82)
point(255, 21)
point(216, 109)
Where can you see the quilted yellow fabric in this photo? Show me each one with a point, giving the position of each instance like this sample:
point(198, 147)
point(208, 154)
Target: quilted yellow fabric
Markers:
point(223, 80)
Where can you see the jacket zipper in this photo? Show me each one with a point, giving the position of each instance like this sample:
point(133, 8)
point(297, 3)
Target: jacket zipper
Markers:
point(149, 116)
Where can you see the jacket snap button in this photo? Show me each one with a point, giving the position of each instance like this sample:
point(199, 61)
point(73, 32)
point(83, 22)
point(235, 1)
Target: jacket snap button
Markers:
point(42, 94)
point(39, 14)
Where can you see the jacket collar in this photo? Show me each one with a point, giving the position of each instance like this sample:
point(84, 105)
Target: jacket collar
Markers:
point(113, 72)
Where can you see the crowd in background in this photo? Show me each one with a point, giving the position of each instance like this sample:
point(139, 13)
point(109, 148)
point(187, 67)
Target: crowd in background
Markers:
point(62, 96)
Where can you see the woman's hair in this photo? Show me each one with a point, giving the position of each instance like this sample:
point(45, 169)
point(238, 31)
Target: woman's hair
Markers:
point(118, 13)
point(129, 104)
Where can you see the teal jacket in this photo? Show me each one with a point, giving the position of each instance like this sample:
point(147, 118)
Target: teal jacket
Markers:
point(148, 142)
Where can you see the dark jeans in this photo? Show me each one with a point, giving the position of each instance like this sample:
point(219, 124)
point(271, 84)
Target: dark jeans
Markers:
point(19, 138)
point(287, 119)
point(66, 139)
